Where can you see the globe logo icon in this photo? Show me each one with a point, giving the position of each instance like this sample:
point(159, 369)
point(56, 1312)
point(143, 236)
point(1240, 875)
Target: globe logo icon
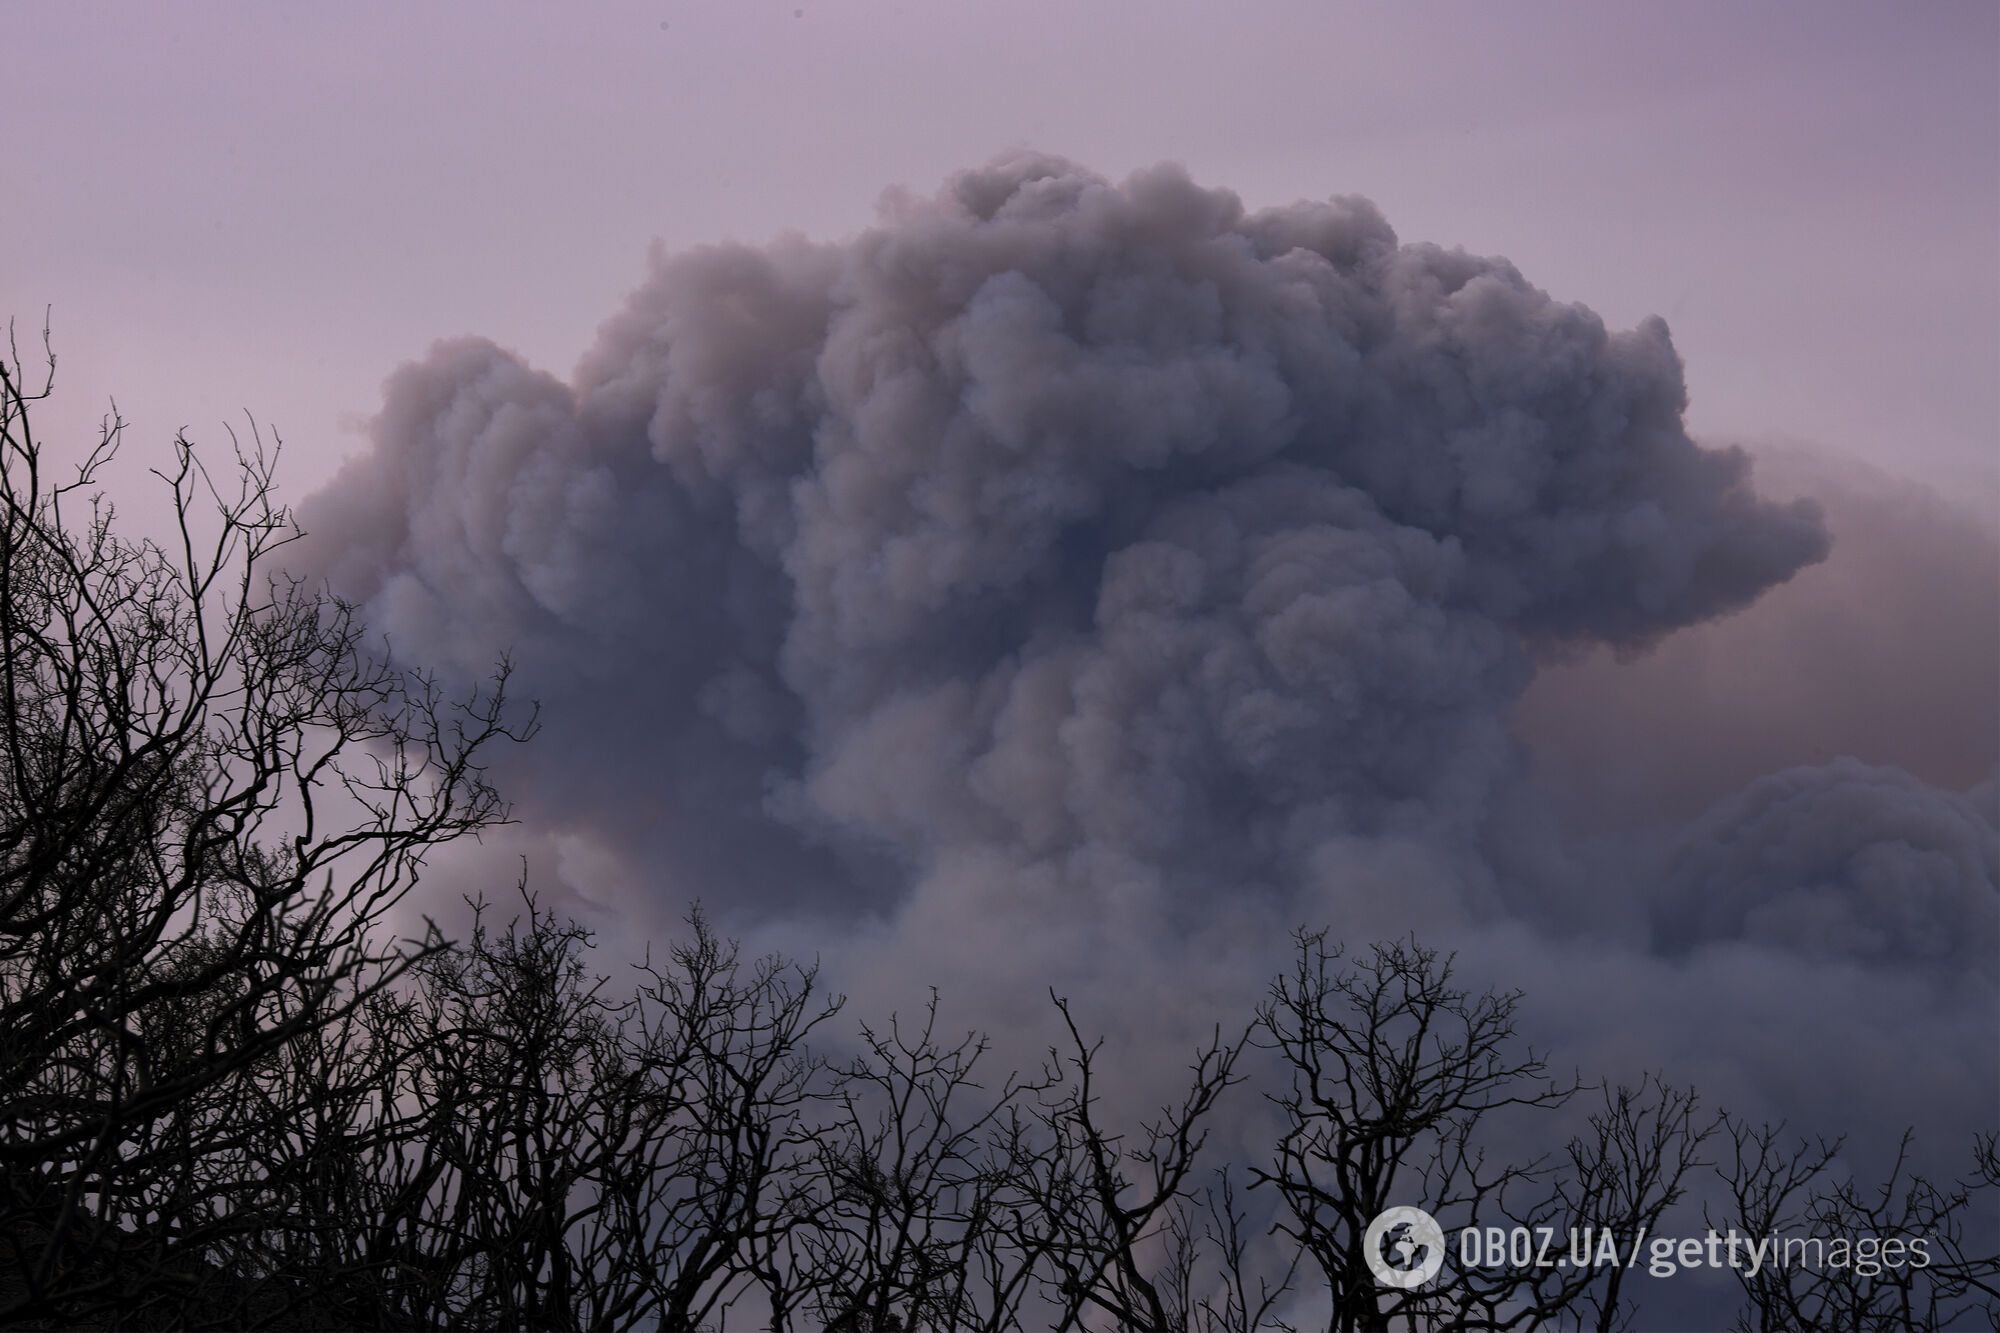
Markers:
point(1404, 1248)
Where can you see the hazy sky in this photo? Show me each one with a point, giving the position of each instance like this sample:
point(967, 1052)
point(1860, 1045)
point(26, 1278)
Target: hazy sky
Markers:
point(236, 207)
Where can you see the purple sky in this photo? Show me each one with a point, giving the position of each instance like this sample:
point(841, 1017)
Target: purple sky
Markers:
point(269, 209)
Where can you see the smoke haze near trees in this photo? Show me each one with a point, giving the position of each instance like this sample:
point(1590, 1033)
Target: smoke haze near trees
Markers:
point(1077, 582)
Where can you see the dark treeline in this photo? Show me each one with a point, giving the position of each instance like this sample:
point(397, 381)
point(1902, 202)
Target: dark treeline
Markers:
point(230, 1096)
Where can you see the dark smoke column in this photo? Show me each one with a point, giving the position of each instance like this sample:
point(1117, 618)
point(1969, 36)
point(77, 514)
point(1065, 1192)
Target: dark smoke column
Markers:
point(1096, 549)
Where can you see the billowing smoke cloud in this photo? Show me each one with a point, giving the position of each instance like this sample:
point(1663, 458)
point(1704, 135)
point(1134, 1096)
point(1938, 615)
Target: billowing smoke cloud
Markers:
point(1843, 861)
point(1067, 580)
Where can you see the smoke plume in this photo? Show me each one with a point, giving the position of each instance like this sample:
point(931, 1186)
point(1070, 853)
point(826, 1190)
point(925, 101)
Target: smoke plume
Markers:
point(1077, 583)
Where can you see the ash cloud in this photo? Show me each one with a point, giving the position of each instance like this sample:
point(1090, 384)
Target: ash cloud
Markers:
point(1078, 582)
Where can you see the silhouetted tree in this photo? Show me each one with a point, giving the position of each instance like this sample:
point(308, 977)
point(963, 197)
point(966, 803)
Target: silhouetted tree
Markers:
point(1117, 1206)
point(1798, 1193)
point(1622, 1177)
point(546, 1153)
point(209, 792)
point(915, 1191)
point(1395, 1074)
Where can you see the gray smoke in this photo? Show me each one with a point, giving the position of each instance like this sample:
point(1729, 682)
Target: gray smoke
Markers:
point(1068, 580)
point(1889, 650)
point(1844, 861)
